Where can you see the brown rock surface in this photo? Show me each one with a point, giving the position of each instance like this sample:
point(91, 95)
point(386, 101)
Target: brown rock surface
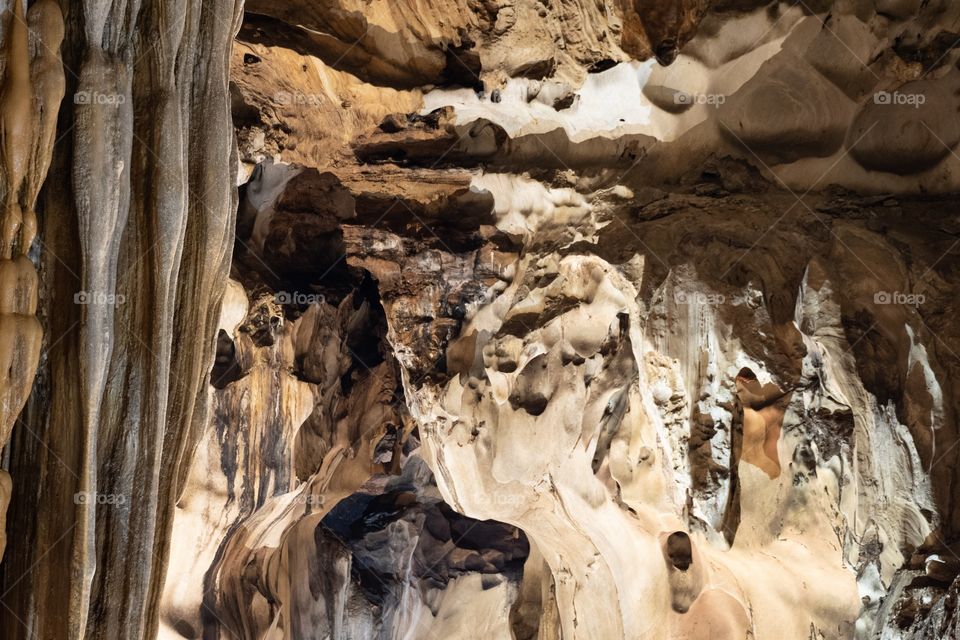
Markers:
point(479, 318)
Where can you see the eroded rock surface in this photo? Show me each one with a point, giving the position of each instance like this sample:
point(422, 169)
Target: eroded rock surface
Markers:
point(465, 319)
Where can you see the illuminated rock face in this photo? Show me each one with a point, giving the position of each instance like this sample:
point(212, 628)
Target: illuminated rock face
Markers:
point(479, 319)
point(31, 92)
point(134, 225)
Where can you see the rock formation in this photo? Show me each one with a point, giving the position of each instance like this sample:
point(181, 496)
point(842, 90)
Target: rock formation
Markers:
point(32, 89)
point(479, 318)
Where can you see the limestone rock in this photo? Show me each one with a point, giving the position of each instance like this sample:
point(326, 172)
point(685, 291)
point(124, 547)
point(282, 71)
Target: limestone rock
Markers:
point(908, 129)
point(479, 318)
point(788, 111)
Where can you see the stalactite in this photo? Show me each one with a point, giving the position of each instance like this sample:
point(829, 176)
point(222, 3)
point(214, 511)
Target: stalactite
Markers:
point(152, 203)
point(29, 100)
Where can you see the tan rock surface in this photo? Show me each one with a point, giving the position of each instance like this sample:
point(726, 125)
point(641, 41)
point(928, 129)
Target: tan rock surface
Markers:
point(485, 318)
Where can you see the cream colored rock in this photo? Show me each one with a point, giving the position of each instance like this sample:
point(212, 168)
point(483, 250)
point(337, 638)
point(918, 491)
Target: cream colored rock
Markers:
point(506, 339)
point(842, 49)
point(590, 422)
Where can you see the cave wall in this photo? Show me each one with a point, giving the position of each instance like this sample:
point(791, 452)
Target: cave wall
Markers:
point(528, 319)
point(135, 237)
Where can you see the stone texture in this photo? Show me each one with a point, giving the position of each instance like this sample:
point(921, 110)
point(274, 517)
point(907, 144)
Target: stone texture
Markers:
point(136, 229)
point(469, 326)
point(899, 134)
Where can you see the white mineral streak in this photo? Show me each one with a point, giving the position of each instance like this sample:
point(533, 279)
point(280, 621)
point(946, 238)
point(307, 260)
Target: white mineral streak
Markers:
point(888, 485)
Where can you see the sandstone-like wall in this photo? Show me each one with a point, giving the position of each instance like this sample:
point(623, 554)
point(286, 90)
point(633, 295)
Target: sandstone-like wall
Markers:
point(500, 318)
point(135, 229)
